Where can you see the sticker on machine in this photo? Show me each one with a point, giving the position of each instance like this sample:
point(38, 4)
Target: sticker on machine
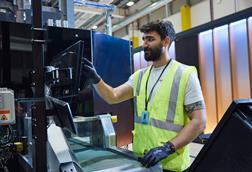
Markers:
point(3, 114)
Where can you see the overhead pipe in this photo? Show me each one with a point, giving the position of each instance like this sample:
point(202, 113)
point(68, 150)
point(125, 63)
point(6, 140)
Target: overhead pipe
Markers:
point(108, 22)
point(140, 14)
point(94, 4)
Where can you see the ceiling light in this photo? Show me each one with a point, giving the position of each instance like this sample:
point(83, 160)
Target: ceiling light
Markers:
point(94, 27)
point(130, 3)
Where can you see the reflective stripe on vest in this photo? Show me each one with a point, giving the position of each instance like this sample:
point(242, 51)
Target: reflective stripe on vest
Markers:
point(174, 94)
point(168, 124)
point(141, 73)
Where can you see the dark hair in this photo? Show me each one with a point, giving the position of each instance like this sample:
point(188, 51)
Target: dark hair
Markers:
point(163, 28)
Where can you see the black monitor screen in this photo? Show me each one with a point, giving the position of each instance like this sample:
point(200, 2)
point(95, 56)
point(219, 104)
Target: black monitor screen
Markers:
point(229, 146)
point(63, 115)
point(66, 80)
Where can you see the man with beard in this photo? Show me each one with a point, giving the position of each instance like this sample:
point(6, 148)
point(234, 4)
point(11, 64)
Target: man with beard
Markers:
point(169, 106)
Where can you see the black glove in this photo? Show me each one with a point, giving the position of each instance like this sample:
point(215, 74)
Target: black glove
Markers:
point(90, 72)
point(157, 154)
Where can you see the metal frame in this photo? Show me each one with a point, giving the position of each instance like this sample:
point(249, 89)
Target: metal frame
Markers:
point(6, 62)
point(39, 132)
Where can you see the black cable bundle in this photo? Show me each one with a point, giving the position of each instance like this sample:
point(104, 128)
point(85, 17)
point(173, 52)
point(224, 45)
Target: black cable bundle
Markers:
point(6, 135)
point(6, 146)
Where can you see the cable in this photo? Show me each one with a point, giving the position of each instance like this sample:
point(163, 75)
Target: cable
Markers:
point(6, 146)
point(5, 155)
point(6, 133)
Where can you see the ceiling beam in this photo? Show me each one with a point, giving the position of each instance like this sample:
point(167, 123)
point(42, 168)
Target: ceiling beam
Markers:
point(149, 9)
point(95, 11)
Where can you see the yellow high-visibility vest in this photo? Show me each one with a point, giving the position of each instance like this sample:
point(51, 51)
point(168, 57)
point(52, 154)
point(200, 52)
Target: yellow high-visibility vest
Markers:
point(167, 115)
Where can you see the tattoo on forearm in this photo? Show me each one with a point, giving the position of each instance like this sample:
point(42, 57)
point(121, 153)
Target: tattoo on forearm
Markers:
point(195, 106)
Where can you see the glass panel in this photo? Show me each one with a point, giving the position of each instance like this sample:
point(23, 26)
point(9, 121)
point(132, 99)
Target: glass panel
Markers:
point(250, 48)
point(222, 69)
point(206, 65)
point(240, 59)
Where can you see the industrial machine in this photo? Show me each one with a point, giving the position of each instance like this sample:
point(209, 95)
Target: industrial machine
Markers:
point(80, 143)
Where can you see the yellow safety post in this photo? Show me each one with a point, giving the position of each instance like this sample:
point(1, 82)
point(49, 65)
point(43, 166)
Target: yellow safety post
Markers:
point(185, 17)
point(135, 41)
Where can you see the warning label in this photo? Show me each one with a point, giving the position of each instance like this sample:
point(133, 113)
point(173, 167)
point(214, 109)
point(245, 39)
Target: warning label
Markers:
point(4, 118)
point(3, 114)
point(4, 111)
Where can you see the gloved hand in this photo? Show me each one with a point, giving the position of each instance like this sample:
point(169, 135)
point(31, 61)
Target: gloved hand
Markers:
point(90, 72)
point(157, 154)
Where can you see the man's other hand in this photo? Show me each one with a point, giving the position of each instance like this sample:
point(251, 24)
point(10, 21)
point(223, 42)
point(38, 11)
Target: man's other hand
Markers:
point(157, 154)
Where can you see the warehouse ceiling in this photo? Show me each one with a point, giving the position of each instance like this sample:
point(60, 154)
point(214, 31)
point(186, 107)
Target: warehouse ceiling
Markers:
point(90, 17)
point(91, 14)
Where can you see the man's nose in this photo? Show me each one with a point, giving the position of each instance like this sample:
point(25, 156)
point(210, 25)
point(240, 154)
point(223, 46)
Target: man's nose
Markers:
point(145, 44)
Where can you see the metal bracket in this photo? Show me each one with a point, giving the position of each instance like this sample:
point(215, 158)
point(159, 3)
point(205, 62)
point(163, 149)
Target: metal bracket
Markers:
point(40, 34)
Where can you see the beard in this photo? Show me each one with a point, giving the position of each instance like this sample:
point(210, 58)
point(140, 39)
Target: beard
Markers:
point(153, 54)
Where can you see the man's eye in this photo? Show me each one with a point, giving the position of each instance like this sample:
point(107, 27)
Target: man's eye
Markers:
point(151, 39)
point(148, 39)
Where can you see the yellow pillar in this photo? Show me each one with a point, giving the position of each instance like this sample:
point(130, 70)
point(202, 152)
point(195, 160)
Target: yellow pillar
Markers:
point(135, 41)
point(185, 17)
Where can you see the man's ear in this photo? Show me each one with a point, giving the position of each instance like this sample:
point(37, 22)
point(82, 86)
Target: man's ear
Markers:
point(166, 41)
